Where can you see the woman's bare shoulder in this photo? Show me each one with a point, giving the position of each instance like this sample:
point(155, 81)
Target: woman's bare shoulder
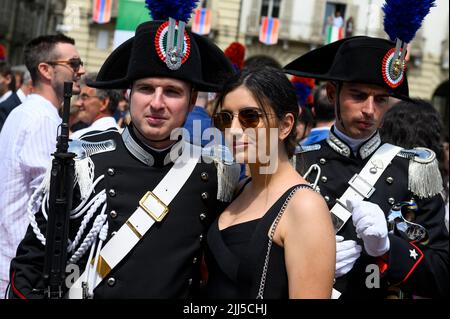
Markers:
point(307, 204)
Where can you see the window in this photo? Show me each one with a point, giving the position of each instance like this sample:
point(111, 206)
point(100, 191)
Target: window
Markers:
point(334, 14)
point(276, 4)
point(204, 4)
point(103, 39)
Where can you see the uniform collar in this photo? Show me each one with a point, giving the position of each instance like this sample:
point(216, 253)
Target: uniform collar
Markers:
point(366, 149)
point(147, 155)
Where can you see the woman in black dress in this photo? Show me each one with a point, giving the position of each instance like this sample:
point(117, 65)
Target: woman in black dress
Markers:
point(258, 113)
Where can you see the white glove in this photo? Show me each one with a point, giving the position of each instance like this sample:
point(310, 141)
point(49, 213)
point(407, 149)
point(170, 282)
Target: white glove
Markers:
point(347, 252)
point(371, 226)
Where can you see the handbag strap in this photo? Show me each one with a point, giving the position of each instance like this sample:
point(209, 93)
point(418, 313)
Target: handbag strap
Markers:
point(262, 282)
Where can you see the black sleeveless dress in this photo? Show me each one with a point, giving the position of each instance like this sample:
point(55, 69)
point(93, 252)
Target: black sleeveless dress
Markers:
point(235, 258)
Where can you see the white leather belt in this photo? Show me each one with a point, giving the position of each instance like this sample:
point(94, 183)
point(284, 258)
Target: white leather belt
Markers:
point(362, 187)
point(152, 208)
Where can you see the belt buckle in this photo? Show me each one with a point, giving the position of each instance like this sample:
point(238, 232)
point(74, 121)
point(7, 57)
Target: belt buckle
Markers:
point(153, 206)
point(361, 186)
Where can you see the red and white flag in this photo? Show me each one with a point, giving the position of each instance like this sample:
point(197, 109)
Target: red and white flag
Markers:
point(201, 23)
point(268, 34)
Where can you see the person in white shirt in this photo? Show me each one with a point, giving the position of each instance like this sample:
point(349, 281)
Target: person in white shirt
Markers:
point(26, 88)
point(29, 137)
point(7, 82)
point(338, 21)
point(96, 107)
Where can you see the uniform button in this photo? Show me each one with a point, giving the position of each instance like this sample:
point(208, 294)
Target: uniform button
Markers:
point(327, 198)
point(202, 216)
point(190, 281)
point(194, 261)
point(322, 161)
point(324, 179)
point(391, 201)
point(111, 282)
point(390, 180)
point(205, 195)
point(113, 214)
point(111, 171)
point(204, 176)
point(112, 192)
point(373, 170)
point(200, 238)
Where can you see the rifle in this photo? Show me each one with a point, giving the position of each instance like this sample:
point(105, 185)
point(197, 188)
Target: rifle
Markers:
point(60, 204)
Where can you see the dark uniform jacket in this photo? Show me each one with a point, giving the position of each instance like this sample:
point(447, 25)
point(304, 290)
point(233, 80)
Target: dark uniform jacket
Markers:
point(425, 274)
point(7, 106)
point(166, 261)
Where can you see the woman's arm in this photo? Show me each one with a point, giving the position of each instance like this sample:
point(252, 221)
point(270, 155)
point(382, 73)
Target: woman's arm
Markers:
point(307, 233)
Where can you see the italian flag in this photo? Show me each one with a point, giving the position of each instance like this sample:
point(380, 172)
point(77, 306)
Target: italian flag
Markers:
point(334, 34)
point(131, 13)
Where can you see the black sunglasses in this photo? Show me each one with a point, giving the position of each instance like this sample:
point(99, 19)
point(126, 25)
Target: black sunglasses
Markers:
point(248, 118)
point(75, 64)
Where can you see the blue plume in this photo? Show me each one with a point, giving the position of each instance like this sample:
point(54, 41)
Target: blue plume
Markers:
point(403, 18)
point(176, 9)
point(303, 91)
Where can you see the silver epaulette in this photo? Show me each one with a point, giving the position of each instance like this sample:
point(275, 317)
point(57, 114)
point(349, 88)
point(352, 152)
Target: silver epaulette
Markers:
point(418, 154)
point(307, 148)
point(85, 149)
point(424, 176)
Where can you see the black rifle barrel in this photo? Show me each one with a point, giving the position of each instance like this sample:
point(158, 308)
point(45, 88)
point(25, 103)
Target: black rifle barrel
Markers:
point(60, 204)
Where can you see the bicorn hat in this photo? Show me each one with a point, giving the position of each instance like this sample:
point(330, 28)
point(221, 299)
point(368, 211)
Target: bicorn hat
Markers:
point(357, 59)
point(166, 48)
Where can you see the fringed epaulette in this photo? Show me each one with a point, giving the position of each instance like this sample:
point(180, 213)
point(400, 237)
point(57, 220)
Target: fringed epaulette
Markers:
point(84, 167)
point(307, 148)
point(227, 171)
point(424, 177)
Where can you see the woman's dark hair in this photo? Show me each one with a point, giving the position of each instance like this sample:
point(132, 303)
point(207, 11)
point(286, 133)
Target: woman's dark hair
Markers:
point(272, 91)
point(414, 123)
point(260, 61)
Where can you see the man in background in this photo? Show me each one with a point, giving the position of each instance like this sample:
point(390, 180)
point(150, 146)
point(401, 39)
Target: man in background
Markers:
point(96, 108)
point(7, 81)
point(28, 137)
point(15, 99)
point(323, 111)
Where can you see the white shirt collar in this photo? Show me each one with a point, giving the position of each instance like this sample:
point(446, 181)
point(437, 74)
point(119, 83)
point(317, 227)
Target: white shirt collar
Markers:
point(21, 95)
point(352, 142)
point(5, 96)
point(42, 101)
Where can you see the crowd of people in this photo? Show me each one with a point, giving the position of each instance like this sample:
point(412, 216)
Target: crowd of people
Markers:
point(286, 182)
